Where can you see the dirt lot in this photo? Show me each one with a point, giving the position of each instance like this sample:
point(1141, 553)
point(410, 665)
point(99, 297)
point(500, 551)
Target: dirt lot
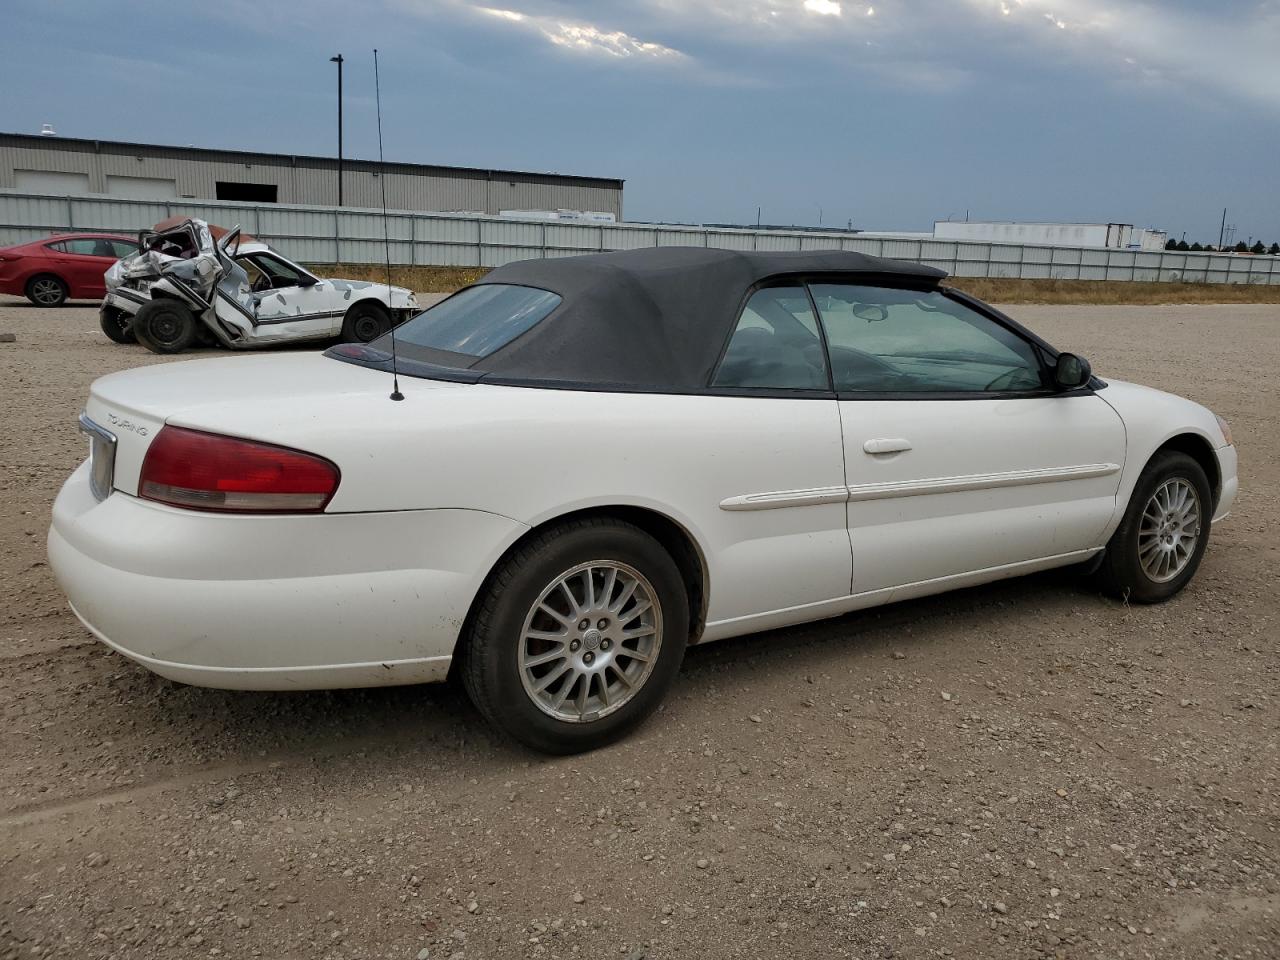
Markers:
point(1020, 770)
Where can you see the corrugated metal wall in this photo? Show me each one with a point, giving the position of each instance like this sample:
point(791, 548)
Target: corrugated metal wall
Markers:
point(329, 235)
point(306, 180)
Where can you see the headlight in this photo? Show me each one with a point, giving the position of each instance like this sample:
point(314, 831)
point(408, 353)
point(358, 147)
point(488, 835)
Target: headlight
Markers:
point(1225, 428)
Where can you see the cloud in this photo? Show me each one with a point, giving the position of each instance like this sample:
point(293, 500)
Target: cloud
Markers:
point(582, 37)
point(1183, 49)
point(1227, 48)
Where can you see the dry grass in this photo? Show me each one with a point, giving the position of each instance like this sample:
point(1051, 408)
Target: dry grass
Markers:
point(448, 279)
point(419, 279)
point(1113, 292)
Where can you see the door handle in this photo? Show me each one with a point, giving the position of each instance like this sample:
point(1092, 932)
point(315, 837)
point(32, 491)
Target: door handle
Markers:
point(883, 445)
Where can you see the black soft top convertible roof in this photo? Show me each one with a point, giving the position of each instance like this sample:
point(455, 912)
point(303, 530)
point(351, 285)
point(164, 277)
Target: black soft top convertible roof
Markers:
point(655, 319)
point(658, 317)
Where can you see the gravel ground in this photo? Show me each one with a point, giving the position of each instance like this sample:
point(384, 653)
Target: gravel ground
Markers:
point(1020, 770)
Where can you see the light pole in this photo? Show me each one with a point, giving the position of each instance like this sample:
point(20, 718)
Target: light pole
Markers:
point(338, 61)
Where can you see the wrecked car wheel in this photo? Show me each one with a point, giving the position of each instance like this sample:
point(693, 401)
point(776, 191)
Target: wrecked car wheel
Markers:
point(46, 290)
point(117, 325)
point(365, 322)
point(164, 326)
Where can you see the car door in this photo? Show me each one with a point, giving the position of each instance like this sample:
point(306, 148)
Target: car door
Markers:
point(778, 539)
point(960, 456)
point(81, 261)
point(294, 296)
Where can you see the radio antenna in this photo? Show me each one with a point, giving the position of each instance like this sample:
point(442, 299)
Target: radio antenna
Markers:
point(386, 236)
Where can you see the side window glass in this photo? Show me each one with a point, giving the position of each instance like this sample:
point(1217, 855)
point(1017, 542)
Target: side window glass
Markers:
point(905, 341)
point(776, 345)
point(282, 275)
point(123, 248)
point(85, 247)
point(257, 279)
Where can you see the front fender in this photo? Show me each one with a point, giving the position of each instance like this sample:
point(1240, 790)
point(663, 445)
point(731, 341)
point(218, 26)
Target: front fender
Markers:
point(1152, 418)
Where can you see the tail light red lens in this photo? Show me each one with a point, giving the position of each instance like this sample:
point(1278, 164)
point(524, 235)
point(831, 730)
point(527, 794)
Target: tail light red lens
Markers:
point(206, 471)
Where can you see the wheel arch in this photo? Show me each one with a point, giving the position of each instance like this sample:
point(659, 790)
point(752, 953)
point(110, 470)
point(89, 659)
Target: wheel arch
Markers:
point(674, 537)
point(364, 302)
point(1199, 449)
point(39, 274)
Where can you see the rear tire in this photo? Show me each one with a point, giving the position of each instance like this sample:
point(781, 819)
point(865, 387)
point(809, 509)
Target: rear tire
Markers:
point(624, 636)
point(365, 322)
point(164, 326)
point(1158, 546)
point(47, 290)
point(117, 325)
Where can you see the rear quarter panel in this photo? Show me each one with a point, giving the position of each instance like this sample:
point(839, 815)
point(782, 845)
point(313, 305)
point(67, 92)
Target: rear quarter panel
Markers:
point(14, 274)
point(533, 454)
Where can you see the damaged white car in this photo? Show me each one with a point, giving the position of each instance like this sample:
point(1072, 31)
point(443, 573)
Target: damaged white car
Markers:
point(195, 283)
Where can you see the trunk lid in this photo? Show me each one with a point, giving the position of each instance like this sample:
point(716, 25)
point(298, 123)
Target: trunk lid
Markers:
point(302, 400)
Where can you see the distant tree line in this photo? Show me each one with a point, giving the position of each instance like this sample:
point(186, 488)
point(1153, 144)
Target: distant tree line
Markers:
point(1259, 247)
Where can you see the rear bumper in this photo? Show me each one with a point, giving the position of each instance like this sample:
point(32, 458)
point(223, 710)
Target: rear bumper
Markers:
point(122, 302)
point(273, 603)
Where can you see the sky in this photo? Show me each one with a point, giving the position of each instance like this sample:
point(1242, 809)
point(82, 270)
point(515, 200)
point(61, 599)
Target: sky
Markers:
point(888, 114)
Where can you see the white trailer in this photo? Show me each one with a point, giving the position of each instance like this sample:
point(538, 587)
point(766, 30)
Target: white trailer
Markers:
point(1116, 236)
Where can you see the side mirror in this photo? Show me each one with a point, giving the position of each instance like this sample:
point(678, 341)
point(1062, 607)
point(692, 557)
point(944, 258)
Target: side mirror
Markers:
point(1071, 372)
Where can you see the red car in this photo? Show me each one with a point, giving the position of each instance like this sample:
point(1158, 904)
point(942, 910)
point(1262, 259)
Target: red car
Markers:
point(65, 266)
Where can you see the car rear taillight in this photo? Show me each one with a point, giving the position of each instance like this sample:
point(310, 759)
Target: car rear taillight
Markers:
point(205, 471)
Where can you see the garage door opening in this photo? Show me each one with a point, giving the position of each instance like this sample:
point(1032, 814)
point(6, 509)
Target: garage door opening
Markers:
point(50, 181)
point(247, 192)
point(142, 188)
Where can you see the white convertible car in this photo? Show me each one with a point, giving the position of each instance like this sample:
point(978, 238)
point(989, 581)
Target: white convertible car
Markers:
point(599, 460)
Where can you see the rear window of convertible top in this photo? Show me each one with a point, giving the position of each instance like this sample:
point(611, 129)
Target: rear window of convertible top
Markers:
point(477, 321)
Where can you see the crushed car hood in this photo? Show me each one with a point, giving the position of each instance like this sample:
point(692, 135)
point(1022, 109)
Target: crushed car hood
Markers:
point(195, 266)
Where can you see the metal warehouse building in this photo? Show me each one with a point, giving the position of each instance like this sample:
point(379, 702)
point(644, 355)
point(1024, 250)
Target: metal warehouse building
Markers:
point(67, 166)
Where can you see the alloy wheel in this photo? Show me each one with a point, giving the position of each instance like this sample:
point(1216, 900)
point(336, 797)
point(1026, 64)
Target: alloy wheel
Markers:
point(46, 291)
point(1169, 530)
point(590, 641)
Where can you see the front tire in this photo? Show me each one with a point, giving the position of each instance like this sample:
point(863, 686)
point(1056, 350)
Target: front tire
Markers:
point(577, 636)
point(47, 290)
point(1158, 546)
point(365, 322)
point(164, 326)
